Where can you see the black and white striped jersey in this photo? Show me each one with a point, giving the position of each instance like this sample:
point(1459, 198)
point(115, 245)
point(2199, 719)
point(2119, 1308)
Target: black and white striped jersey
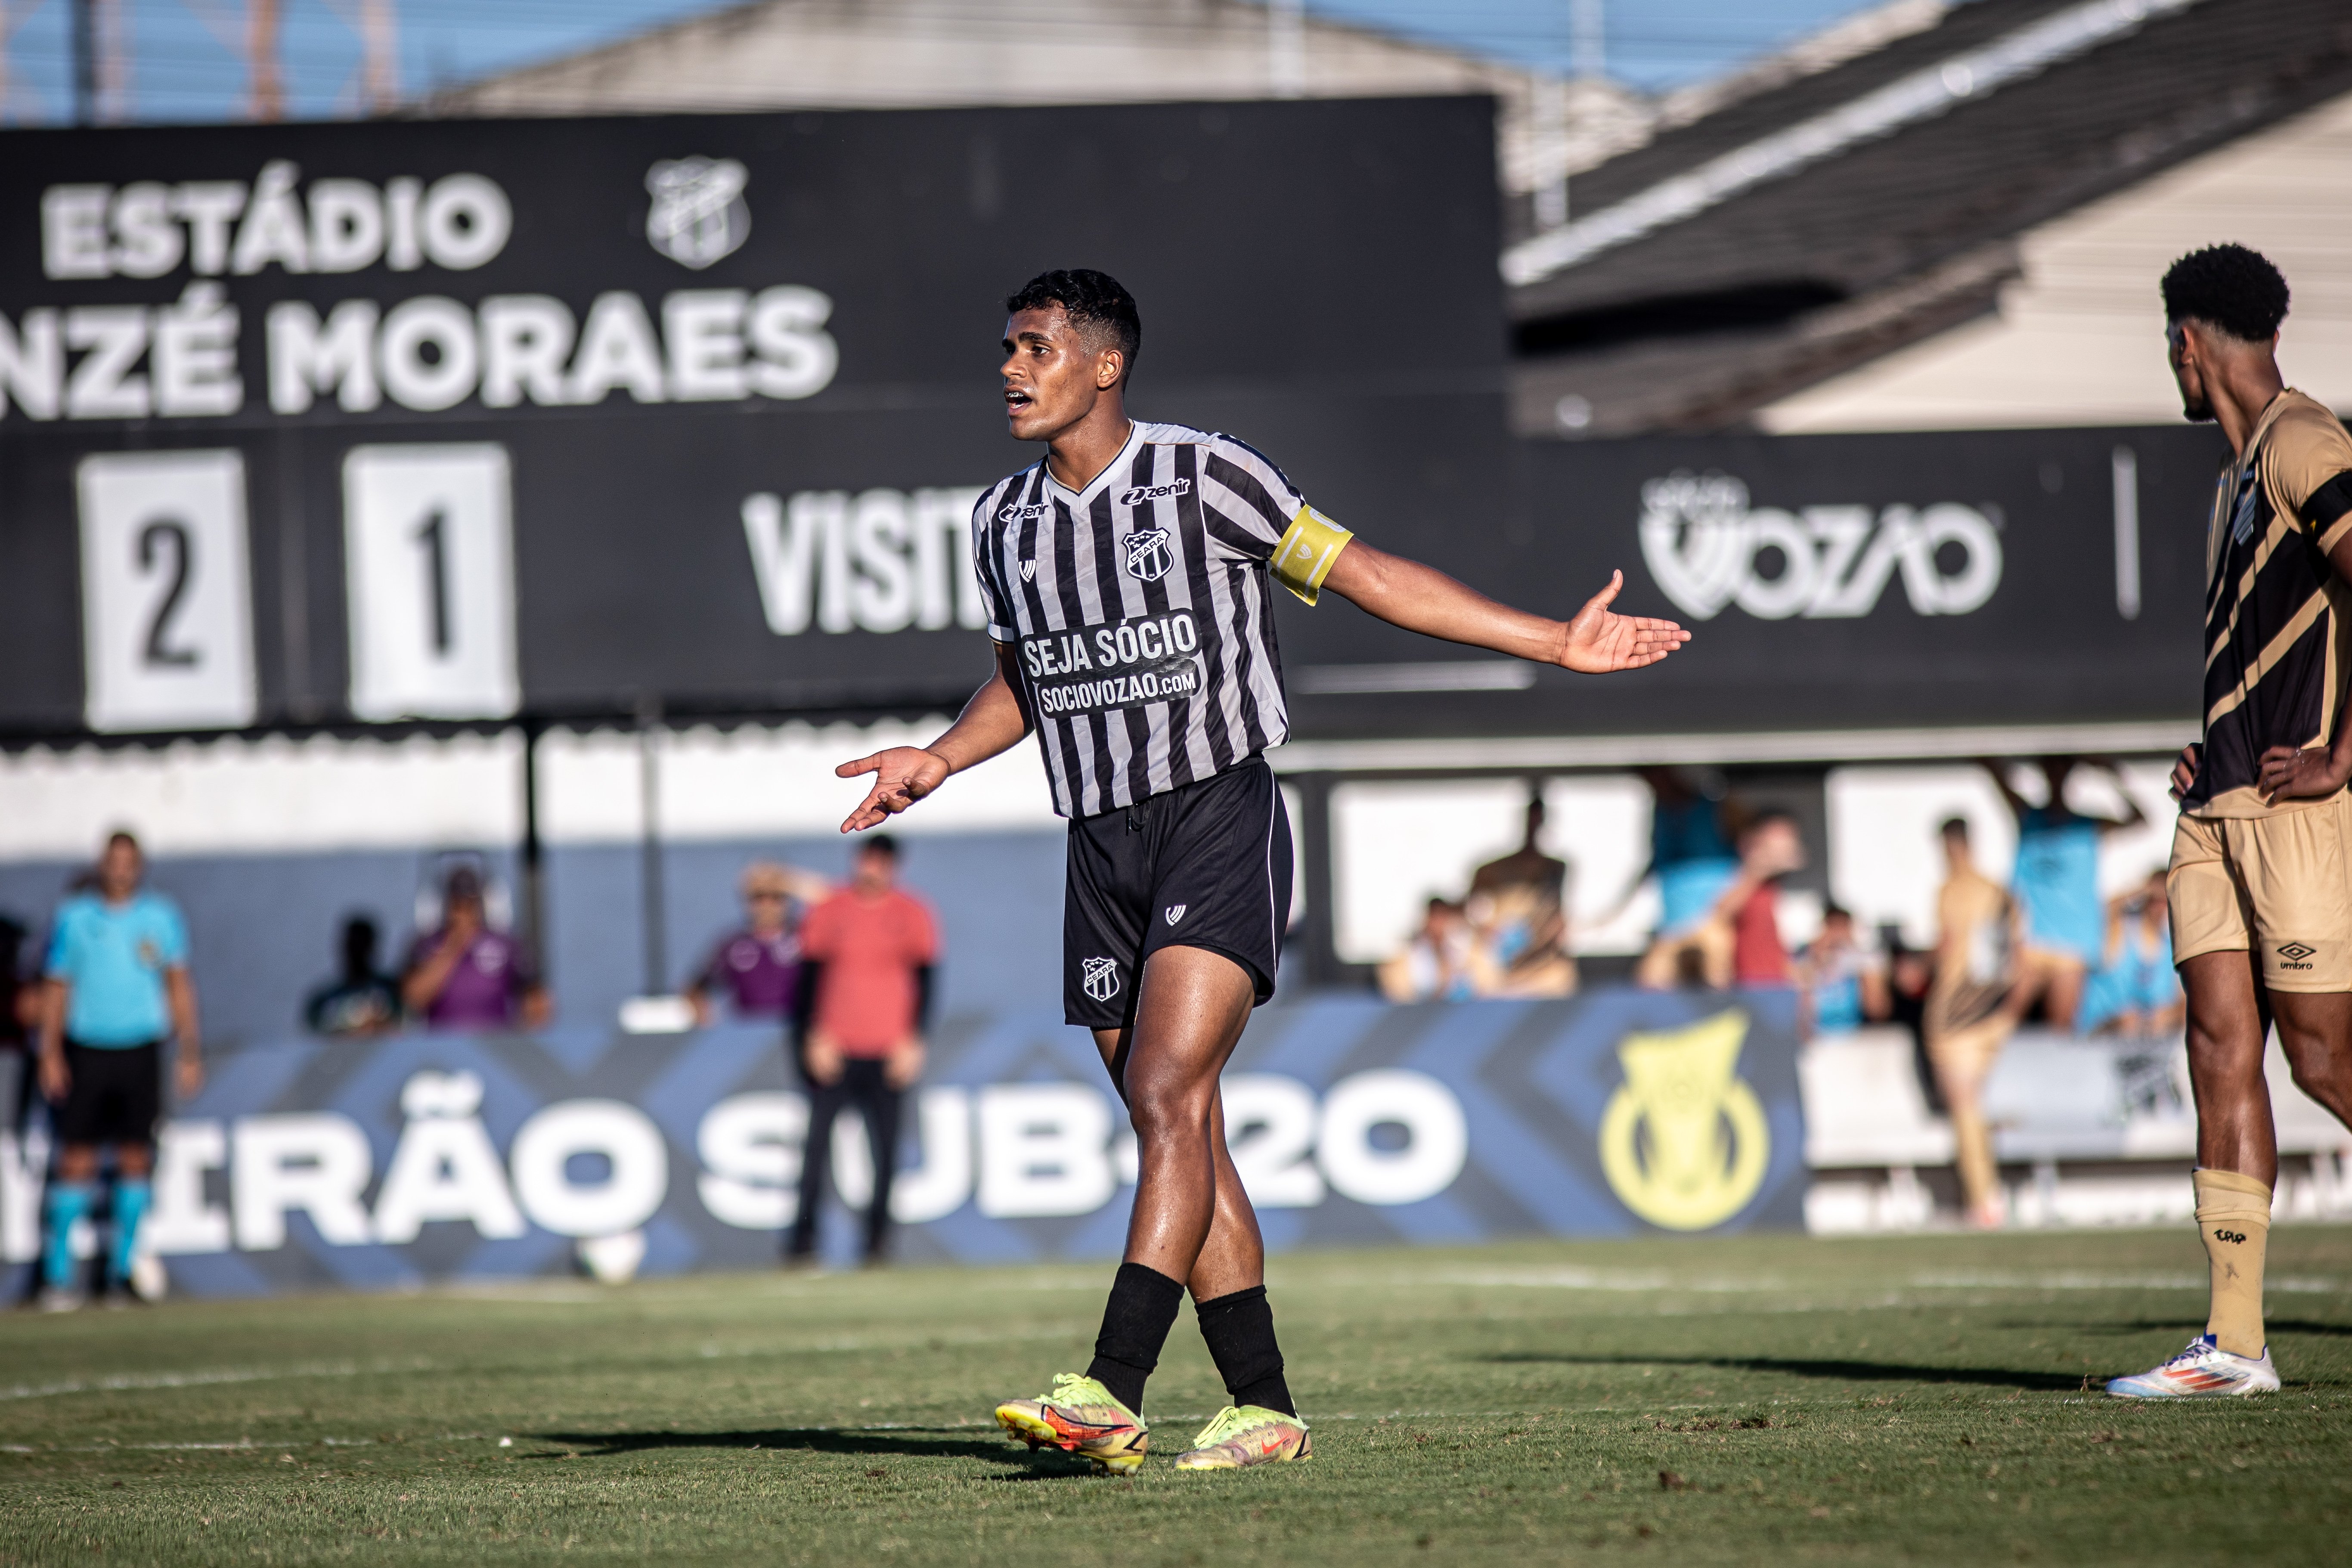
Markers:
point(1138, 609)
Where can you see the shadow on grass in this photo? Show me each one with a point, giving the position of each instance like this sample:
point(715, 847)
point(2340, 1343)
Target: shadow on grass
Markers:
point(1844, 1371)
point(904, 1443)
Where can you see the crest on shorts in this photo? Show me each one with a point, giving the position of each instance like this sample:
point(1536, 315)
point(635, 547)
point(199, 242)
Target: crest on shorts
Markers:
point(1149, 558)
point(698, 213)
point(1099, 976)
point(1684, 1141)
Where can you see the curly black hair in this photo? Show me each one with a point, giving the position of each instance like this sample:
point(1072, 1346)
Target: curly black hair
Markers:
point(1103, 313)
point(2228, 286)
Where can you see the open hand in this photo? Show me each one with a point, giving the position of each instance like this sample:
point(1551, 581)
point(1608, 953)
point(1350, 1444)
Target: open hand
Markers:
point(2290, 774)
point(903, 774)
point(190, 1072)
point(1599, 642)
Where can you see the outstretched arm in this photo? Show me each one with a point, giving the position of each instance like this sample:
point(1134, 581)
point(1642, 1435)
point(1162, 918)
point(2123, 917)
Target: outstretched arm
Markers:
point(1422, 599)
point(989, 723)
point(2133, 817)
point(1998, 771)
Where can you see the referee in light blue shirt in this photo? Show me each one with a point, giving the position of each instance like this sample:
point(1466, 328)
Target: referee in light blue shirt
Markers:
point(118, 986)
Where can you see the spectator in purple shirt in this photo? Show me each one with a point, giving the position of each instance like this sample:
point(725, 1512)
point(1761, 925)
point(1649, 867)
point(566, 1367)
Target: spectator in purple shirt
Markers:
point(758, 967)
point(466, 976)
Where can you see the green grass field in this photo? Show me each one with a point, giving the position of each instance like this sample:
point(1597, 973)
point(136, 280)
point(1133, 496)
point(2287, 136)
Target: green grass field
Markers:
point(1760, 1399)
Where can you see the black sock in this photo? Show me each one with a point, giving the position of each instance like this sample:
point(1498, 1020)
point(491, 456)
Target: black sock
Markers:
point(1240, 1331)
point(1142, 1308)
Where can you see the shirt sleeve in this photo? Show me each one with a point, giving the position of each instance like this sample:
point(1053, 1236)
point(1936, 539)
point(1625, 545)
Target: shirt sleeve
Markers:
point(522, 972)
point(985, 566)
point(1253, 512)
point(923, 932)
point(2312, 469)
point(816, 934)
point(171, 934)
point(63, 948)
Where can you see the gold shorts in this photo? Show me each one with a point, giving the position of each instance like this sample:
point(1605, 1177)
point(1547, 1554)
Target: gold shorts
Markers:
point(2281, 886)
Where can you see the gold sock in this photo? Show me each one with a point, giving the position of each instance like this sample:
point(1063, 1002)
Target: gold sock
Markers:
point(2233, 1219)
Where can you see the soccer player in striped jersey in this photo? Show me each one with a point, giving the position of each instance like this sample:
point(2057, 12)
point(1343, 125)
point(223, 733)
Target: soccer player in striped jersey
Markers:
point(1127, 577)
point(2260, 883)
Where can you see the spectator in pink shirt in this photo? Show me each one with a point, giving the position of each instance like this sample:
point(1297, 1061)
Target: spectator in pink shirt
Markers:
point(866, 958)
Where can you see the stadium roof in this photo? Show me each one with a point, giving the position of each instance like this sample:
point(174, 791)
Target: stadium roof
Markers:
point(1805, 228)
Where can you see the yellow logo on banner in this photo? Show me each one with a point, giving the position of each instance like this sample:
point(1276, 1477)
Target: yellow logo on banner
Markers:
point(1684, 1141)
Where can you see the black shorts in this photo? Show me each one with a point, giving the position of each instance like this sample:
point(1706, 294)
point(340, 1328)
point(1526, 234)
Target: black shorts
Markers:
point(115, 1096)
point(1204, 865)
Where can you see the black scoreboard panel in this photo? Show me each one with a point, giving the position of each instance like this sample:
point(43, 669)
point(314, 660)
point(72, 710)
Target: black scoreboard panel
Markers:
point(374, 423)
point(448, 421)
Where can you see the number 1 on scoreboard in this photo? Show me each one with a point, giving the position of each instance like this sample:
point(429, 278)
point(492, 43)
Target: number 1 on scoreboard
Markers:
point(429, 554)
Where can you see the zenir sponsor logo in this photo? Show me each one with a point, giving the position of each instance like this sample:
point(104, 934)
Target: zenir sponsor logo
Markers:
point(1099, 976)
point(1142, 494)
point(1016, 512)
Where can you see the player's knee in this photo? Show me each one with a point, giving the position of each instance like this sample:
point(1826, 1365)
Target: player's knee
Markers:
point(1165, 1106)
point(2312, 1059)
point(2224, 1060)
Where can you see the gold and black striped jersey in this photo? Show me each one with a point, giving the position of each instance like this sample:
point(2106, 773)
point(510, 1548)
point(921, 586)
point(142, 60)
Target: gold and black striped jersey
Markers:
point(2278, 617)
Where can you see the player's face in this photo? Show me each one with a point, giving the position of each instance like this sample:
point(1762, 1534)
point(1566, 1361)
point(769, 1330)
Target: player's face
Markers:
point(118, 873)
point(2188, 374)
point(1052, 379)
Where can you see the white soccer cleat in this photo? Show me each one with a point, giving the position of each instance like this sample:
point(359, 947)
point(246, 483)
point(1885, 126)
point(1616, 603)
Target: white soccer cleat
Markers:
point(2203, 1371)
point(149, 1280)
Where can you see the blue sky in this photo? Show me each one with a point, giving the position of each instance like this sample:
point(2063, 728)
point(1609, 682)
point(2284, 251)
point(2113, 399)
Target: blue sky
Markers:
point(185, 67)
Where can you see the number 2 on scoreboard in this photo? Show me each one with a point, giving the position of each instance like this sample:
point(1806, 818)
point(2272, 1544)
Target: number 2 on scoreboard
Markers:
point(429, 554)
point(167, 618)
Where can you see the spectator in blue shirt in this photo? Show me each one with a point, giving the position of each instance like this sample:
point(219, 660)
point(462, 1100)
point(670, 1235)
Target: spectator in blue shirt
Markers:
point(118, 986)
point(2057, 884)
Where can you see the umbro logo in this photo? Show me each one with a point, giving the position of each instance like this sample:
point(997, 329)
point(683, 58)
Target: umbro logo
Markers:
point(1142, 494)
point(1099, 978)
point(2293, 953)
point(1016, 512)
point(1174, 912)
point(1028, 571)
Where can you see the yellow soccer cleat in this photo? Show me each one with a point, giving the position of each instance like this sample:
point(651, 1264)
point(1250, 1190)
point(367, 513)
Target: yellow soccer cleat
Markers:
point(1082, 1418)
point(1244, 1436)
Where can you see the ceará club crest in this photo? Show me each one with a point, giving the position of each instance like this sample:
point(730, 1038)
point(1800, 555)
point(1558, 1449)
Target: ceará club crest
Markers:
point(1148, 559)
point(698, 213)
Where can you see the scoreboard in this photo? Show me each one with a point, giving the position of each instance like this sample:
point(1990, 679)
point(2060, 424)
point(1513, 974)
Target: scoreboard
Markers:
point(472, 422)
point(462, 422)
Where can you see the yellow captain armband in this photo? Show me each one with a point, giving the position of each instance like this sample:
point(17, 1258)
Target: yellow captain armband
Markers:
point(1308, 547)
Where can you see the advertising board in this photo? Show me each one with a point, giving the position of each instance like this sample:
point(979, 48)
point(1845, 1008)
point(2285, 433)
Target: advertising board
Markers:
point(426, 1158)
